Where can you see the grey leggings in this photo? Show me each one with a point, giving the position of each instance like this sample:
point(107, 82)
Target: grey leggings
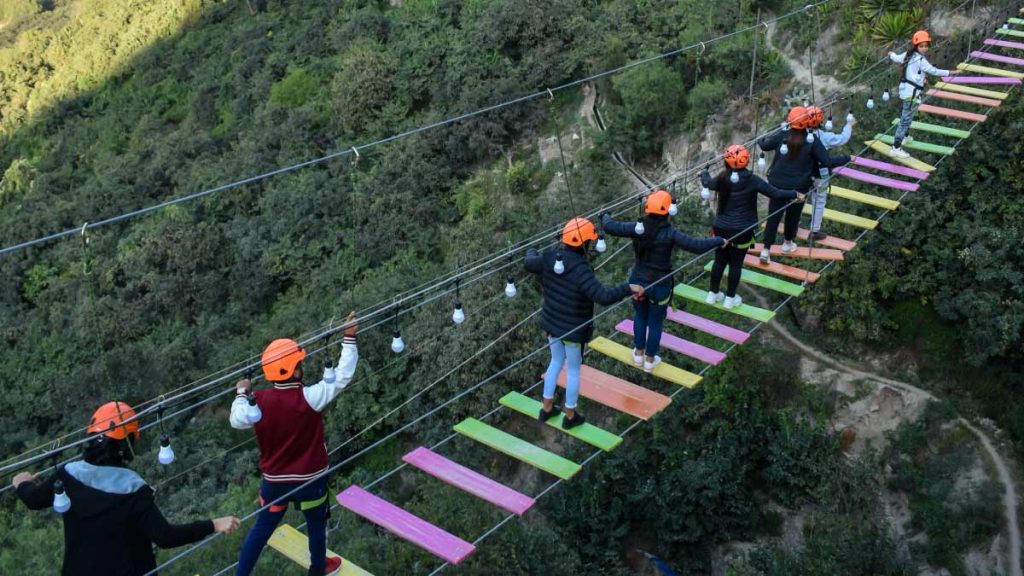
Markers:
point(906, 117)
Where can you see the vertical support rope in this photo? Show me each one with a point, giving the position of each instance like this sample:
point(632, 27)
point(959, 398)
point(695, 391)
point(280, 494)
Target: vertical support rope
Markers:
point(753, 70)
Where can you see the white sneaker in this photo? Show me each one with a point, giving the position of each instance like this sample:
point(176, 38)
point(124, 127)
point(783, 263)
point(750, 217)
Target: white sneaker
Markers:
point(908, 138)
point(766, 256)
point(899, 153)
point(638, 359)
point(733, 302)
point(720, 296)
point(713, 297)
point(650, 366)
point(788, 247)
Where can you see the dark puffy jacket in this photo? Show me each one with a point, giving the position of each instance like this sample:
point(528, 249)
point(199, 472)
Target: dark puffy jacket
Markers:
point(113, 521)
point(796, 170)
point(656, 261)
point(740, 210)
point(569, 297)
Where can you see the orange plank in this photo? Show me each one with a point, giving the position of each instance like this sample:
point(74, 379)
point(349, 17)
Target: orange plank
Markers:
point(801, 252)
point(828, 241)
point(754, 263)
point(951, 113)
point(991, 102)
point(619, 394)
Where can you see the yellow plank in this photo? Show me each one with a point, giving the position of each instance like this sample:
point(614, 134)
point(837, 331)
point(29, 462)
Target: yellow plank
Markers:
point(844, 218)
point(883, 148)
point(971, 90)
point(295, 546)
point(663, 370)
point(863, 198)
point(990, 71)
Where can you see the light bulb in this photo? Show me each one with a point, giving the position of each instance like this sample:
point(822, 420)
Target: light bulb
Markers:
point(806, 103)
point(602, 245)
point(810, 137)
point(559, 265)
point(784, 149)
point(871, 103)
point(734, 177)
point(1006, 26)
point(397, 344)
point(828, 124)
point(849, 117)
point(704, 193)
point(510, 287)
point(61, 502)
point(761, 162)
point(166, 455)
point(639, 228)
point(885, 95)
point(784, 126)
point(458, 316)
point(253, 412)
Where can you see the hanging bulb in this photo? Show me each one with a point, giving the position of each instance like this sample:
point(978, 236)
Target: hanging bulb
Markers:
point(761, 161)
point(61, 502)
point(810, 137)
point(510, 288)
point(253, 412)
point(166, 455)
point(397, 344)
point(559, 265)
point(602, 246)
point(885, 95)
point(849, 117)
point(639, 228)
point(871, 103)
point(704, 193)
point(458, 316)
point(828, 124)
point(1006, 26)
point(734, 177)
point(806, 102)
point(784, 149)
point(784, 126)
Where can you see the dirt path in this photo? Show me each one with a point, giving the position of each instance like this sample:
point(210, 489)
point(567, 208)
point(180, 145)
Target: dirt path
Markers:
point(1009, 491)
point(800, 66)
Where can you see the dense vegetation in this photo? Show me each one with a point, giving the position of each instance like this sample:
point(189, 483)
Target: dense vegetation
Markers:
point(110, 105)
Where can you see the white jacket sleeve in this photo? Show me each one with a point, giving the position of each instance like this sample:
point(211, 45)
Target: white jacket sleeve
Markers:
point(927, 68)
point(897, 58)
point(239, 420)
point(319, 395)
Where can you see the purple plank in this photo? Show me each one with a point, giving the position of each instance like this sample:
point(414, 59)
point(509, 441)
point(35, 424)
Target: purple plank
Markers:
point(876, 180)
point(894, 168)
point(708, 326)
point(997, 58)
point(677, 344)
point(469, 481)
point(1004, 43)
point(980, 80)
point(405, 525)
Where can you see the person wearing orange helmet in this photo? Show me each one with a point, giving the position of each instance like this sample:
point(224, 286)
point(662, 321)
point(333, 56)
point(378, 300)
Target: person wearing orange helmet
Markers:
point(916, 69)
point(830, 140)
point(289, 430)
point(795, 164)
point(653, 244)
point(570, 291)
point(736, 189)
point(111, 520)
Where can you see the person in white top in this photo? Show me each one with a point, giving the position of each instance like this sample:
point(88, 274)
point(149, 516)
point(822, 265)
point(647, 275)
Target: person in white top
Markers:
point(916, 69)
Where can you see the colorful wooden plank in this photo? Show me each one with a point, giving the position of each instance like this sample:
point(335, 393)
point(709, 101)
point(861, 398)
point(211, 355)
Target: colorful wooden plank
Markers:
point(828, 241)
point(956, 97)
point(950, 87)
point(1007, 32)
point(936, 129)
point(887, 167)
point(1017, 21)
point(518, 448)
point(951, 113)
point(863, 198)
point(989, 70)
point(664, 370)
point(918, 145)
point(801, 251)
point(698, 295)
point(294, 545)
point(989, 80)
point(587, 432)
point(997, 58)
point(1004, 43)
point(767, 282)
point(681, 345)
point(618, 394)
point(469, 481)
point(883, 181)
point(727, 333)
point(911, 162)
point(781, 269)
point(844, 218)
point(401, 523)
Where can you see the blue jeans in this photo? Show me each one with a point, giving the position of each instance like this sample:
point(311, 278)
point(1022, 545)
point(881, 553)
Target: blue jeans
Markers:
point(311, 500)
point(649, 317)
point(570, 355)
point(906, 118)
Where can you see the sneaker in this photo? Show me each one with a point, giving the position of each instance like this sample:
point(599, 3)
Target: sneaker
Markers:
point(908, 138)
point(333, 565)
point(720, 296)
point(899, 153)
point(788, 247)
point(638, 359)
point(818, 236)
point(575, 421)
point(711, 298)
point(766, 257)
point(734, 301)
point(650, 366)
point(544, 415)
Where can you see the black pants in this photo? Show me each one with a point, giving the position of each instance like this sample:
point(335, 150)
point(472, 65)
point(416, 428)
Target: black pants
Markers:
point(791, 216)
point(731, 256)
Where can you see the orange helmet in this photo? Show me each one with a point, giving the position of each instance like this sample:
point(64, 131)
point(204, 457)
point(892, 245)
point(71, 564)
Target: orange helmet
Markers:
point(920, 37)
point(577, 231)
point(737, 157)
point(817, 116)
point(280, 358)
point(114, 420)
point(658, 203)
point(798, 118)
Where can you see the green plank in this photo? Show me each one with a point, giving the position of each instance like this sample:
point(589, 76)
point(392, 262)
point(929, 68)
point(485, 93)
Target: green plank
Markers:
point(1017, 21)
point(698, 295)
point(936, 129)
point(596, 437)
point(518, 448)
point(915, 145)
point(765, 281)
point(1016, 33)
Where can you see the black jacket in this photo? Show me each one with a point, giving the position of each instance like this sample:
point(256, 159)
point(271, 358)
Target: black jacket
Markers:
point(740, 210)
point(112, 525)
point(656, 261)
point(569, 297)
point(796, 170)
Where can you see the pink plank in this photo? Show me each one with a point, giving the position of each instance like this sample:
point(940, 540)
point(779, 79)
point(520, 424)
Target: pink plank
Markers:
point(997, 58)
point(980, 80)
point(469, 481)
point(708, 326)
point(876, 180)
point(677, 344)
point(951, 113)
point(1004, 43)
point(894, 168)
point(446, 546)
